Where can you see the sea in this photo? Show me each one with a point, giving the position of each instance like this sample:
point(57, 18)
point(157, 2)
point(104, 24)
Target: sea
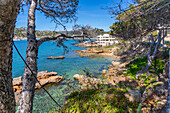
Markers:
point(68, 67)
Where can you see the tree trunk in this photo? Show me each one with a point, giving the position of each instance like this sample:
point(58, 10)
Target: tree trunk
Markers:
point(25, 104)
point(168, 100)
point(150, 58)
point(9, 11)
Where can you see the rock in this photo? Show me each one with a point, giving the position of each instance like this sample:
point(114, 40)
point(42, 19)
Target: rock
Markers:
point(42, 82)
point(96, 51)
point(45, 74)
point(123, 64)
point(133, 96)
point(51, 79)
point(52, 73)
point(109, 66)
point(43, 77)
point(107, 51)
point(77, 51)
point(80, 44)
point(89, 82)
point(60, 57)
point(55, 79)
point(17, 81)
point(17, 94)
point(92, 51)
point(115, 63)
point(117, 79)
point(104, 71)
point(79, 77)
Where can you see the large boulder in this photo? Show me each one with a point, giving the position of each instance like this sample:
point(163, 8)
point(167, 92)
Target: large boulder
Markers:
point(45, 74)
point(104, 71)
point(115, 63)
point(116, 79)
point(17, 81)
point(89, 82)
point(79, 77)
point(133, 96)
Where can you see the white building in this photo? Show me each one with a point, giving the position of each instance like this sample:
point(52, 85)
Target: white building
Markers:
point(105, 40)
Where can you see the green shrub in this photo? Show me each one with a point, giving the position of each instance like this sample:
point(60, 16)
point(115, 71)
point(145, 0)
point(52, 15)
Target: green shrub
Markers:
point(140, 63)
point(103, 100)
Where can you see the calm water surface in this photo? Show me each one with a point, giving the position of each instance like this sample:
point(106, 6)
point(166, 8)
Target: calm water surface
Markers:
point(72, 64)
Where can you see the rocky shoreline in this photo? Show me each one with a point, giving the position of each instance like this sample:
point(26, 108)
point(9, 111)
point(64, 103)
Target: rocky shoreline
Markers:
point(155, 94)
point(91, 51)
point(44, 77)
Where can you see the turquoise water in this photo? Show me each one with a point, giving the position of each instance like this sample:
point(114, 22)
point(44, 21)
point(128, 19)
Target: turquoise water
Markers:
point(72, 64)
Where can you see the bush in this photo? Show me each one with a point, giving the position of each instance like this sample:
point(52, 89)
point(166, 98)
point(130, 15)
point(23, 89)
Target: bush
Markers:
point(140, 63)
point(103, 100)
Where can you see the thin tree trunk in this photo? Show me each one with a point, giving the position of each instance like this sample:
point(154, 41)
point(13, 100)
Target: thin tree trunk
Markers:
point(25, 104)
point(168, 100)
point(164, 35)
point(9, 11)
point(150, 50)
point(163, 41)
point(150, 58)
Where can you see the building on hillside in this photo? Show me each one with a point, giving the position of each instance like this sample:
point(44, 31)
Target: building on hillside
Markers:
point(106, 40)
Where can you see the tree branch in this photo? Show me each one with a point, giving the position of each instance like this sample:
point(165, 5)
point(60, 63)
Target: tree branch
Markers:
point(52, 38)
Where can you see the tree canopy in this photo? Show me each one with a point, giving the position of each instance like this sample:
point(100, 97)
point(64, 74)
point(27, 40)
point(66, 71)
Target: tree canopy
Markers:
point(86, 31)
point(143, 17)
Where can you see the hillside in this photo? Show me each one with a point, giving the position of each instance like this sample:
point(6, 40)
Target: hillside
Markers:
point(21, 33)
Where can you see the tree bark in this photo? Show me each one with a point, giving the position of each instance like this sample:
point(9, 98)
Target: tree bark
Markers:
point(9, 10)
point(25, 104)
point(150, 58)
point(168, 100)
point(39, 42)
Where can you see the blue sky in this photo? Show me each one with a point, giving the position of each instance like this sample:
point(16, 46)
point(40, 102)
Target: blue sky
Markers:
point(89, 12)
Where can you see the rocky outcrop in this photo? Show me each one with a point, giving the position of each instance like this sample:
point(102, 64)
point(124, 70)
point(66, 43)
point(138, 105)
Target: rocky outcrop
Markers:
point(43, 77)
point(89, 82)
point(133, 96)
point(117, 79)
point(60, 57)
point(80, 44)
point(115, 63)
point(92, 51)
